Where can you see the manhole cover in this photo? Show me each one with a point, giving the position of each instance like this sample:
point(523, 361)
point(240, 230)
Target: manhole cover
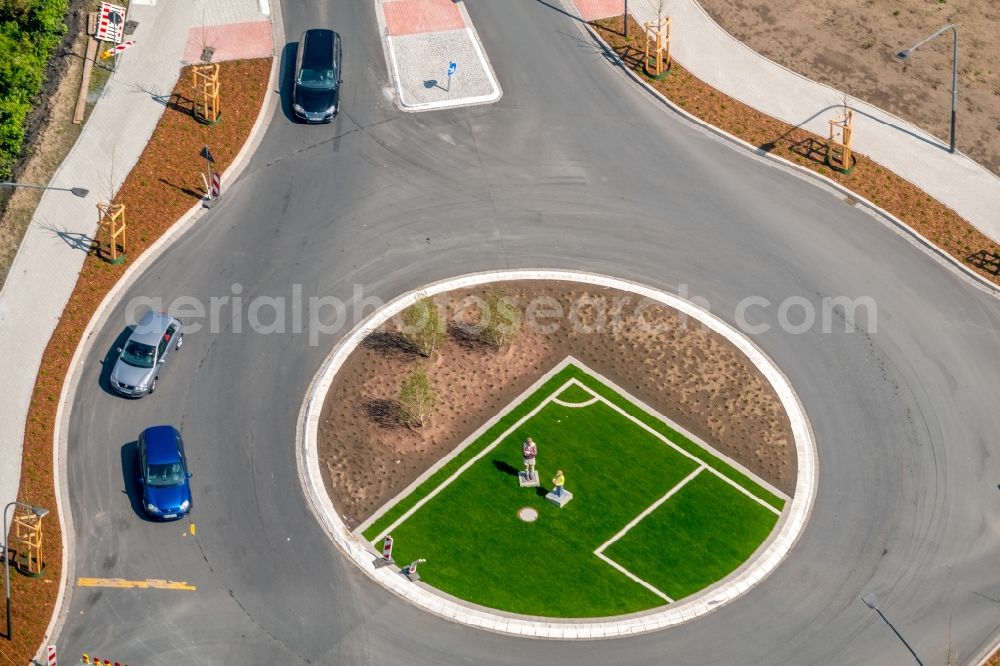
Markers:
point(528, 515)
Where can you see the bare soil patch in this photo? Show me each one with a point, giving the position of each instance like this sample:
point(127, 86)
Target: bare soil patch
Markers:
point(928, 216)
point(851, 45)
point(163, 184)
point(678, 367)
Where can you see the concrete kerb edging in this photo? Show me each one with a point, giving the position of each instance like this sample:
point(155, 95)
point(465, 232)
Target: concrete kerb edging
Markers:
point(809, 175)
point(59, 442)
point(765, 560)
point(389, 54)
point(984, 657)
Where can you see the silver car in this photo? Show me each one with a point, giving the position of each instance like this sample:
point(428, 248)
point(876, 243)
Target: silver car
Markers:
point(142, 359)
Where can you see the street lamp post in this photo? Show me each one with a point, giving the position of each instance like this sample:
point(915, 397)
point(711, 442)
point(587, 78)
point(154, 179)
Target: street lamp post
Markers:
point(903, 55)
point(625, 17)
point(78, 191)
point(41, 513)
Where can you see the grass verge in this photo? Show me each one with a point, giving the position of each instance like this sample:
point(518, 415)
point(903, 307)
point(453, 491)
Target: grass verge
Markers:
point(929, 217)
point(162, 185)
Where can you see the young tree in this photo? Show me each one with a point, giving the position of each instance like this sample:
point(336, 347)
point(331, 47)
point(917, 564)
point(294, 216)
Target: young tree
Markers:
point(417, 397)
point(424, 326)
point(502, 320)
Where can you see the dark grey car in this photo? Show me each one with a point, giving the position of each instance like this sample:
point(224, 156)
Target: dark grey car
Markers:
point(316, 90)
point(144, 355)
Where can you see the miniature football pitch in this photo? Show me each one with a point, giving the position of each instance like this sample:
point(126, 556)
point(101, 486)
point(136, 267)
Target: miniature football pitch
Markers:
point(654, 518)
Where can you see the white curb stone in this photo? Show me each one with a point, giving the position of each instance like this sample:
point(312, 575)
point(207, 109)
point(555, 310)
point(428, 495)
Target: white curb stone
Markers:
point(794, 519)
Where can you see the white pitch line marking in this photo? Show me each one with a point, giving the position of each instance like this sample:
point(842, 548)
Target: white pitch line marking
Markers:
point(469, 463)
point(677, 448)
point(575, 405)
point(650, 509)
point(631, 575)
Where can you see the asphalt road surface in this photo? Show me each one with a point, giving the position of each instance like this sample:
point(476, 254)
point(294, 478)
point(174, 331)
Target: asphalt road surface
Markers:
point(575, 167)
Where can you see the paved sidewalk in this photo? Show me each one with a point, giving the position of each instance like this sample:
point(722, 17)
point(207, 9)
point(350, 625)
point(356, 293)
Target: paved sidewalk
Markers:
point(420, 38)
point(52, 253)
point(719, 59)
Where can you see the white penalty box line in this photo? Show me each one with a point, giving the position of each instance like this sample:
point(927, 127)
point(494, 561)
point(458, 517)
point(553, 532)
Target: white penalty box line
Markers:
point(635, 521)
point(670, 443)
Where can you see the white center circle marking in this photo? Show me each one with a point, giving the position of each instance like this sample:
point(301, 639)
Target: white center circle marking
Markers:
point(528, 515)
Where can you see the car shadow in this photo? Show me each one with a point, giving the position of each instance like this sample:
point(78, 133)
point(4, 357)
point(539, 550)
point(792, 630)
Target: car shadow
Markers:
point(130, 477)
point(108, 364)
point(286, 77)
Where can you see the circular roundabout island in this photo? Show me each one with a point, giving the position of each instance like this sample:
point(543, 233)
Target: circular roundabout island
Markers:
point(556, 454)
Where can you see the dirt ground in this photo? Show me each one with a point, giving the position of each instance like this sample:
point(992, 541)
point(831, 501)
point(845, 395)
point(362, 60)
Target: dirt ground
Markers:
point(691, 375)
point(851, 45)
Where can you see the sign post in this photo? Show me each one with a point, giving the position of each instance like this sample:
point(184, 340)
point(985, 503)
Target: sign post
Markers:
point(452, 66)
point(209, 161)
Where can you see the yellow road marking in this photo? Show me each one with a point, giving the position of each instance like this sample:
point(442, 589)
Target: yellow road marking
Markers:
point(153, 583)
point(194, 529)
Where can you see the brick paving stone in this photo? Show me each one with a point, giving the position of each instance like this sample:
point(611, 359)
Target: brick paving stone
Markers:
point(407, 17)
point(231, 42)
point(598, 9)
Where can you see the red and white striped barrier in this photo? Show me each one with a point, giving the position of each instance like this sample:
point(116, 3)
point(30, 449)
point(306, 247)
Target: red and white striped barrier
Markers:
point(216, 184)
point(387, 548)
point(110, 23)
point(117, 49)
point(50, 655)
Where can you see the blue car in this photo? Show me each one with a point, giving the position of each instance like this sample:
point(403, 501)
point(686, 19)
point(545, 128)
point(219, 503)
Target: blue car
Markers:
point(166, 493)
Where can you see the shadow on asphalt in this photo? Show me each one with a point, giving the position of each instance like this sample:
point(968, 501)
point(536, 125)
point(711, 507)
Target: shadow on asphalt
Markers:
point(130, 477)
point(110, 358)
point(286, 77)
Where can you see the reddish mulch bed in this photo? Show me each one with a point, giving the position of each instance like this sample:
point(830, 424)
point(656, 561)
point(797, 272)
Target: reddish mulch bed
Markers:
point(160, 188)
point(932, 219)
point(682, 370)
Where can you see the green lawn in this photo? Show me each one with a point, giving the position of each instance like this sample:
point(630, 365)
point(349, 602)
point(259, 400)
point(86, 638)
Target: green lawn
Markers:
point(695, 538)
point(478, 549)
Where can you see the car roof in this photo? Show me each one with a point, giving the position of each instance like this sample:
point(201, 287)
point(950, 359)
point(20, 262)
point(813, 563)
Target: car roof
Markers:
point(161, 444)
point(151, 327)
point(317, 46)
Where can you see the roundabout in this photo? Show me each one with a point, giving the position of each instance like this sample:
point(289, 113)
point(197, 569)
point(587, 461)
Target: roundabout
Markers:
point(489, 545)
point(380, 204)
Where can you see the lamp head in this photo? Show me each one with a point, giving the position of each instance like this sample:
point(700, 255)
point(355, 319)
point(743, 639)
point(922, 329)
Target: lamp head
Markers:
point(903, 55)
point(870, 601)
point(79, 191)
point(39, 511)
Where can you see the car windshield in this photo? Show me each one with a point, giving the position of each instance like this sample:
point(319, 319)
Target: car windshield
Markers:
point(139, 355)
point(170, 474)
point(318, 79)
